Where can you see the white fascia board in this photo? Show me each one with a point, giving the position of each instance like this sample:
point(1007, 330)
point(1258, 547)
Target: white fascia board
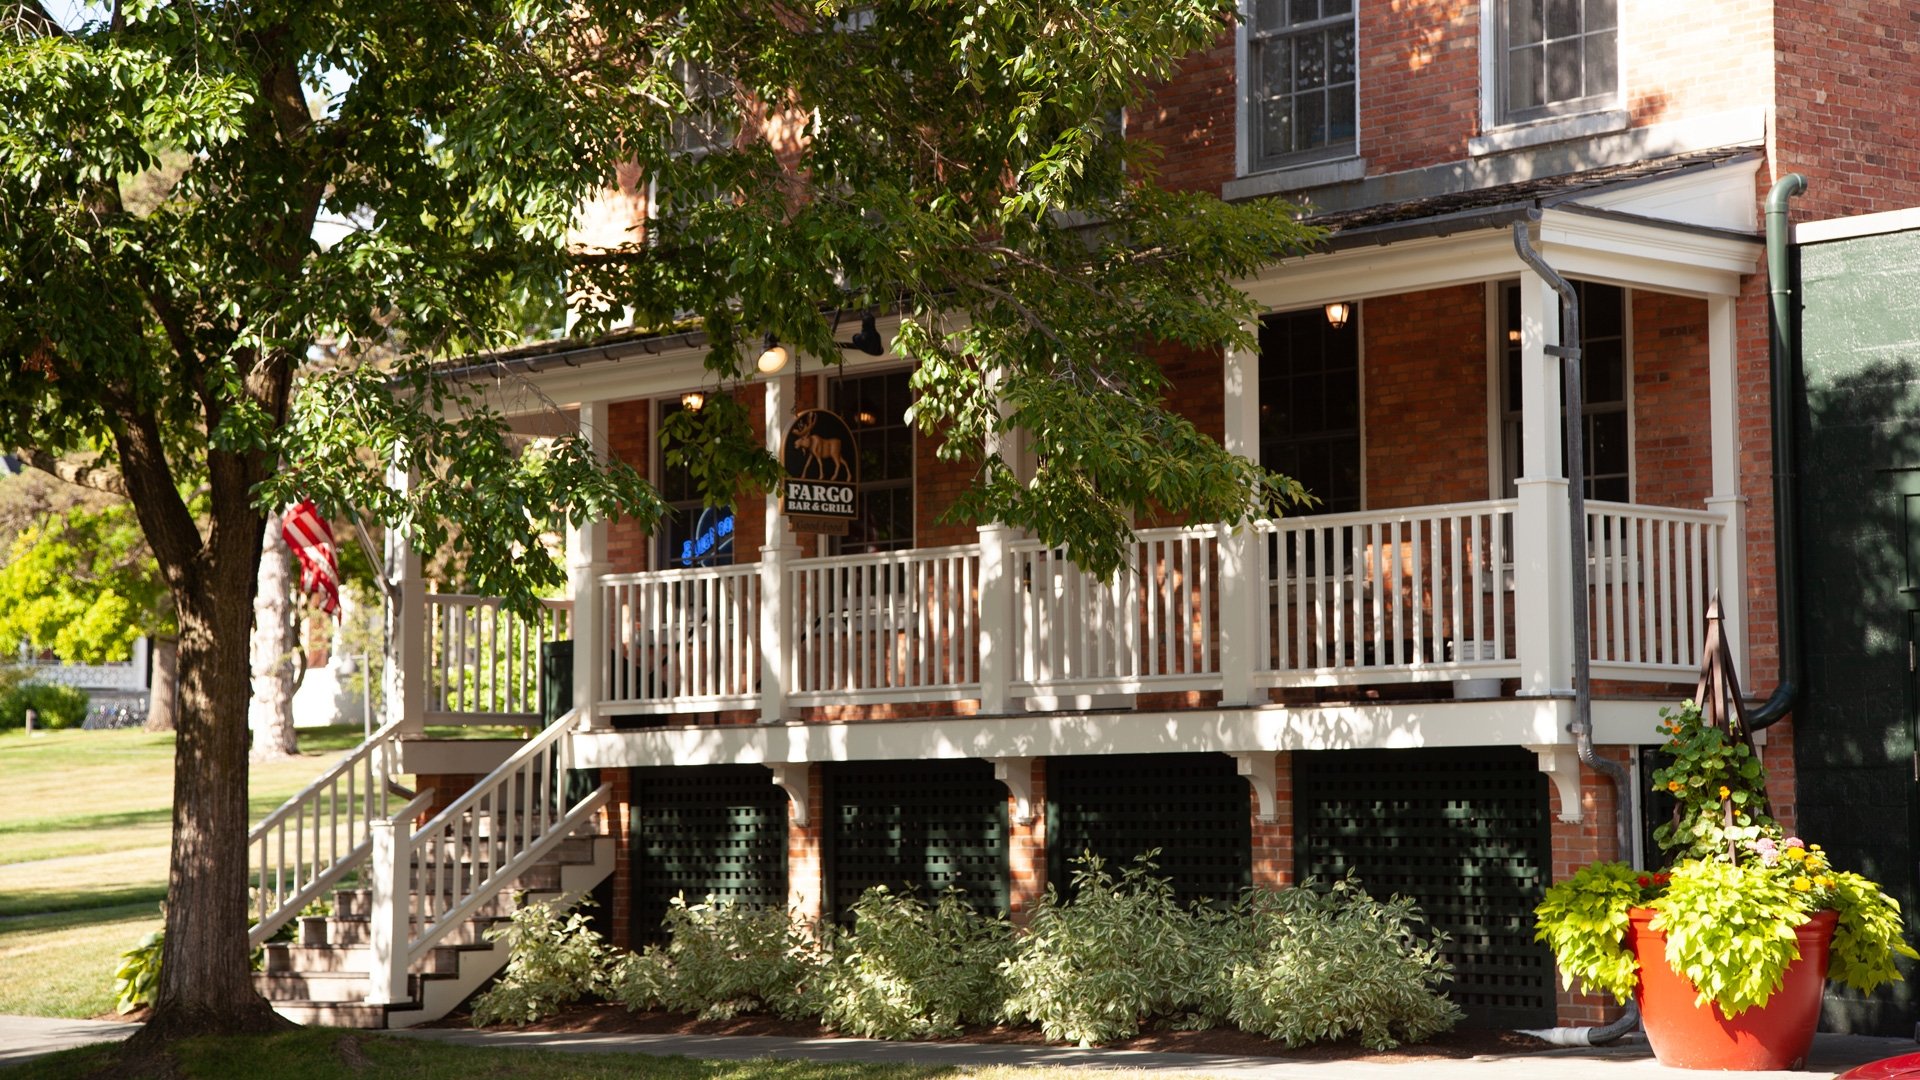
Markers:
point(1511, 722)
point(1643, 255)
point(1629, 721)
point(1385, 270)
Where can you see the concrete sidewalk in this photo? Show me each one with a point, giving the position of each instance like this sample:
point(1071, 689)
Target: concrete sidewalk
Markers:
point(23, 1037)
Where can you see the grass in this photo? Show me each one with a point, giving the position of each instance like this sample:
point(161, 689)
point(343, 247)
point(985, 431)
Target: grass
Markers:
point(329, 1054)
point(85, 819)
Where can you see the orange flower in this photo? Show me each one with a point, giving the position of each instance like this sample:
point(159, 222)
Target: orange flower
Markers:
point(1673, 785)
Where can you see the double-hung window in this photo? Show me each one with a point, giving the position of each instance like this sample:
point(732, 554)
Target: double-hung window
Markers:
point(1605, 368)
point(1554, 58)
point(1301, 82)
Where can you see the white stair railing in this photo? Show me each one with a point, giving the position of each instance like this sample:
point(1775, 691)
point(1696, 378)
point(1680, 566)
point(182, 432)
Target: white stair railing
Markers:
point(306, 846)
point(426, 882)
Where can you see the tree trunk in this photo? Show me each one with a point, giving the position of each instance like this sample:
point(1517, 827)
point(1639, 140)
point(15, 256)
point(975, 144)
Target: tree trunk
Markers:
point(166, 684)
point(206, 982)
point(270, 715)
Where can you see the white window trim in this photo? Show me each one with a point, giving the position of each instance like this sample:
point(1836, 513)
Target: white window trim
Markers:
point(1285, 176)
point(1495, 135)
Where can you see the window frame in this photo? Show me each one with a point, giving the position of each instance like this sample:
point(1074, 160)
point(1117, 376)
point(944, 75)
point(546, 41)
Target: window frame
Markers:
point(828, 393)
point(1358, 433)
point(1249, 42)
point(1496, 115)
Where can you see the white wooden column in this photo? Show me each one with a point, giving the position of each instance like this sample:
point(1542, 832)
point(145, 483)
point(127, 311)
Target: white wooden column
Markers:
point(997, 597)
point(778, 550)
point(586, 564)
point(1243, 586)
point(1542, 576)
point(406, 676)
point(1724, 410)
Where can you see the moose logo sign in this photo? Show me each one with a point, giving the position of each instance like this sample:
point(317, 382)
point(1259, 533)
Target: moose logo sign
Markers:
point(822, 473)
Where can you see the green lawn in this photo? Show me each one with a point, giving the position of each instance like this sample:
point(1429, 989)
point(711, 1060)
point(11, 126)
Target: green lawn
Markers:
point(330, 1054)
point(85, 818)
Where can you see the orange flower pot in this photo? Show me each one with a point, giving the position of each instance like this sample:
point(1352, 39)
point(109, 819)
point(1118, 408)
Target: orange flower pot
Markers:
point(1773, 1036)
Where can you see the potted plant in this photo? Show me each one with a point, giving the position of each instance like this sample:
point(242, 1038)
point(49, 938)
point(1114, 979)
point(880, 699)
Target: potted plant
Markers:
point(1728, 949)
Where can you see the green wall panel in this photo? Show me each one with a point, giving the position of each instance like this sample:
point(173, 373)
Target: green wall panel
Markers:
point(1858, 421)
point(1195, 808)
point(918, 825)
point(1463, 832)
point(717, 830)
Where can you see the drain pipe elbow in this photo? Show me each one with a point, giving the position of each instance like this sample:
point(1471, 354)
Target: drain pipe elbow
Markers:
point(1590, 1036)
point(1785, 500)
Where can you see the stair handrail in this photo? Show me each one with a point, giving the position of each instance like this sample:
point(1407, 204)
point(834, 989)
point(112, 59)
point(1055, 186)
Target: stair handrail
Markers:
point(521, 806)
point(361, 783)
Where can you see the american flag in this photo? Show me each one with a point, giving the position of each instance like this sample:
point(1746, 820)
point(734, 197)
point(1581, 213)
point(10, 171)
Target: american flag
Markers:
point(311, 538)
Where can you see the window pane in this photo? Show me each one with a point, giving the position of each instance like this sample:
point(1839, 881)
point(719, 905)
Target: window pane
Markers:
point(1563, 70)
point(1523, 22)
point(1336, 7)
point(1276, 130)
point(1603, 65)
point(1310, 405)
point(1607, 444)
point(1310, 127)
point(1302, 11)
point(1563, 18)
point(1524, 87)
point(1600, 15)
point(1309, 62)
point(1269, 14)
point(1276, 65)
point(1340, 55)
point(1602, 372)
point(1602, 308)
point(1342, 124)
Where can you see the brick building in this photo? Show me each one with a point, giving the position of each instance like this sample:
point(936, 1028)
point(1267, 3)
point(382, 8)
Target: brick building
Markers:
point(1383, 684)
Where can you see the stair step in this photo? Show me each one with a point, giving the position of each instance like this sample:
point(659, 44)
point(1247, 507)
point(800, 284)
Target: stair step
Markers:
point(283, 958)
point(341, 1014)
point(357, 932)
point(344, 987)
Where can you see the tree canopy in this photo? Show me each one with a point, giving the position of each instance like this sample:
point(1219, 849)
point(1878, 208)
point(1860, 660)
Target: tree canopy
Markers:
point(163, 296)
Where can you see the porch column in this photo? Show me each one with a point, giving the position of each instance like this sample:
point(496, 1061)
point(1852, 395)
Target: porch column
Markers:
point(1724, 410)
point(586, 563)
point(406, 600)
point(1542, 576)
point(1243, 593)
point(777, 550)
point(997, 598)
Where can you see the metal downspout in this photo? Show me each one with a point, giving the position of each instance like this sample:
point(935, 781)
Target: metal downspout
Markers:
point(1582, 726)
point(1785, 505)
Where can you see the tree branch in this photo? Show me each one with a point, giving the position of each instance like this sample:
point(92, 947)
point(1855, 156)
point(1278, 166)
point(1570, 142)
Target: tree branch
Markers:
point(96, 477)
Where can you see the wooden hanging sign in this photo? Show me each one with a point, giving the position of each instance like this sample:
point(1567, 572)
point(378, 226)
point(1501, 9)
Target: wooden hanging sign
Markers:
point(823, 473)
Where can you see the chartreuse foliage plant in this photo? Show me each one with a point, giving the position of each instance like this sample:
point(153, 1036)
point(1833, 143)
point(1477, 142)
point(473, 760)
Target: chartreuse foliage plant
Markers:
point(555, 958)
point(723, 959)
point(912, 970)
point(1730, 902)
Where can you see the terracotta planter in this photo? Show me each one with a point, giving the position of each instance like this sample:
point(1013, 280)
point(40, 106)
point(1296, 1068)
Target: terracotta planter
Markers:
point(1776, 1035)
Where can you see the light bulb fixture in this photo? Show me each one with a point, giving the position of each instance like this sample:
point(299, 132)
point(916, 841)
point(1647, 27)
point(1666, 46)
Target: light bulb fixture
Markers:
point(866, 339)
point(693, 401)
point(773, 356)
point(1338, 313)
point(1513, 336)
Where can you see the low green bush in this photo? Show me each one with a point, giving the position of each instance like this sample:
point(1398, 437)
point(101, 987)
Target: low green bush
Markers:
point(54, 706)
point(556, 959)
point(1121, 952)
point(137, 978)
point(908, 970)
point(723, 959)
point(1306, 965)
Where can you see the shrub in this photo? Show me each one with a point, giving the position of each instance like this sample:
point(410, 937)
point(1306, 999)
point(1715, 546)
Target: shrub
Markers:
point(908, 971)
point(138, 976)
point(554, 960)
point(723, 959)
point(1307, 965)
point(1091, 970)
point(54, 706)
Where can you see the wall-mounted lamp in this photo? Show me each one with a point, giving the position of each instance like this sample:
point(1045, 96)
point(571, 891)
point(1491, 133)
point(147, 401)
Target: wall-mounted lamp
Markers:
point(867, 340)
point(1513, 336)
point(773, 356)
point(693, 401)
point(1338, 313)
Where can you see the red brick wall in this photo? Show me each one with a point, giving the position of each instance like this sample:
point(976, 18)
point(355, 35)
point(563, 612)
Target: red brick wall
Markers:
point(806, 883)
point(1273, 840)
point(1419, 82)
point(614, 821)
point(937, 486)
point(630, 440)
point(1574, 846)
point(1424, 380)
point(1190, 120)
point(1027, 851)
point(1843, 71)
point(1673, 444)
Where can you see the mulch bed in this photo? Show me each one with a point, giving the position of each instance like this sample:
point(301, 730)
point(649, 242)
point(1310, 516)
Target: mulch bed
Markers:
point(604, 1019)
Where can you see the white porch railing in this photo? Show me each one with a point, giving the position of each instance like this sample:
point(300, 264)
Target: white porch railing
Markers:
point(1385, 596)
point(1156, 626)
point(681, 640)
point(899, 626)
point(426, 882)
point(483, 660)
point(1651, 572)
point(305, 847)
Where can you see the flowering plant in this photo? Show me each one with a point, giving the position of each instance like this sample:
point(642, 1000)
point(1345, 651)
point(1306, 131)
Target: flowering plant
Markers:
point(1731, 900)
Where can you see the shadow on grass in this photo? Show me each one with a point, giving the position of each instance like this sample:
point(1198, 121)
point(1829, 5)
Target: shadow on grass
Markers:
point(123, 819)
point(54, 901)
point(327, 1054)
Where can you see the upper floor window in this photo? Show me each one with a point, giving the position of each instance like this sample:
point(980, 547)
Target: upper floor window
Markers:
point(1302, 103)
point(1604, 380)
point(1310, 405)
point(1555, 57)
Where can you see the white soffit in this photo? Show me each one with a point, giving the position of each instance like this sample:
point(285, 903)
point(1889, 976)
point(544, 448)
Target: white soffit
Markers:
point(1724, 197)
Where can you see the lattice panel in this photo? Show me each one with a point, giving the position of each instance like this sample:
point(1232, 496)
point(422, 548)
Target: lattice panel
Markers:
point(716, 830)
point(1194, 807)
point(1465, 833)
point(925, 825)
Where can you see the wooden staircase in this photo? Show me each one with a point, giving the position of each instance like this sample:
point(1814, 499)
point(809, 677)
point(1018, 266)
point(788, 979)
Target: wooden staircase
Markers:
point(325, 975)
